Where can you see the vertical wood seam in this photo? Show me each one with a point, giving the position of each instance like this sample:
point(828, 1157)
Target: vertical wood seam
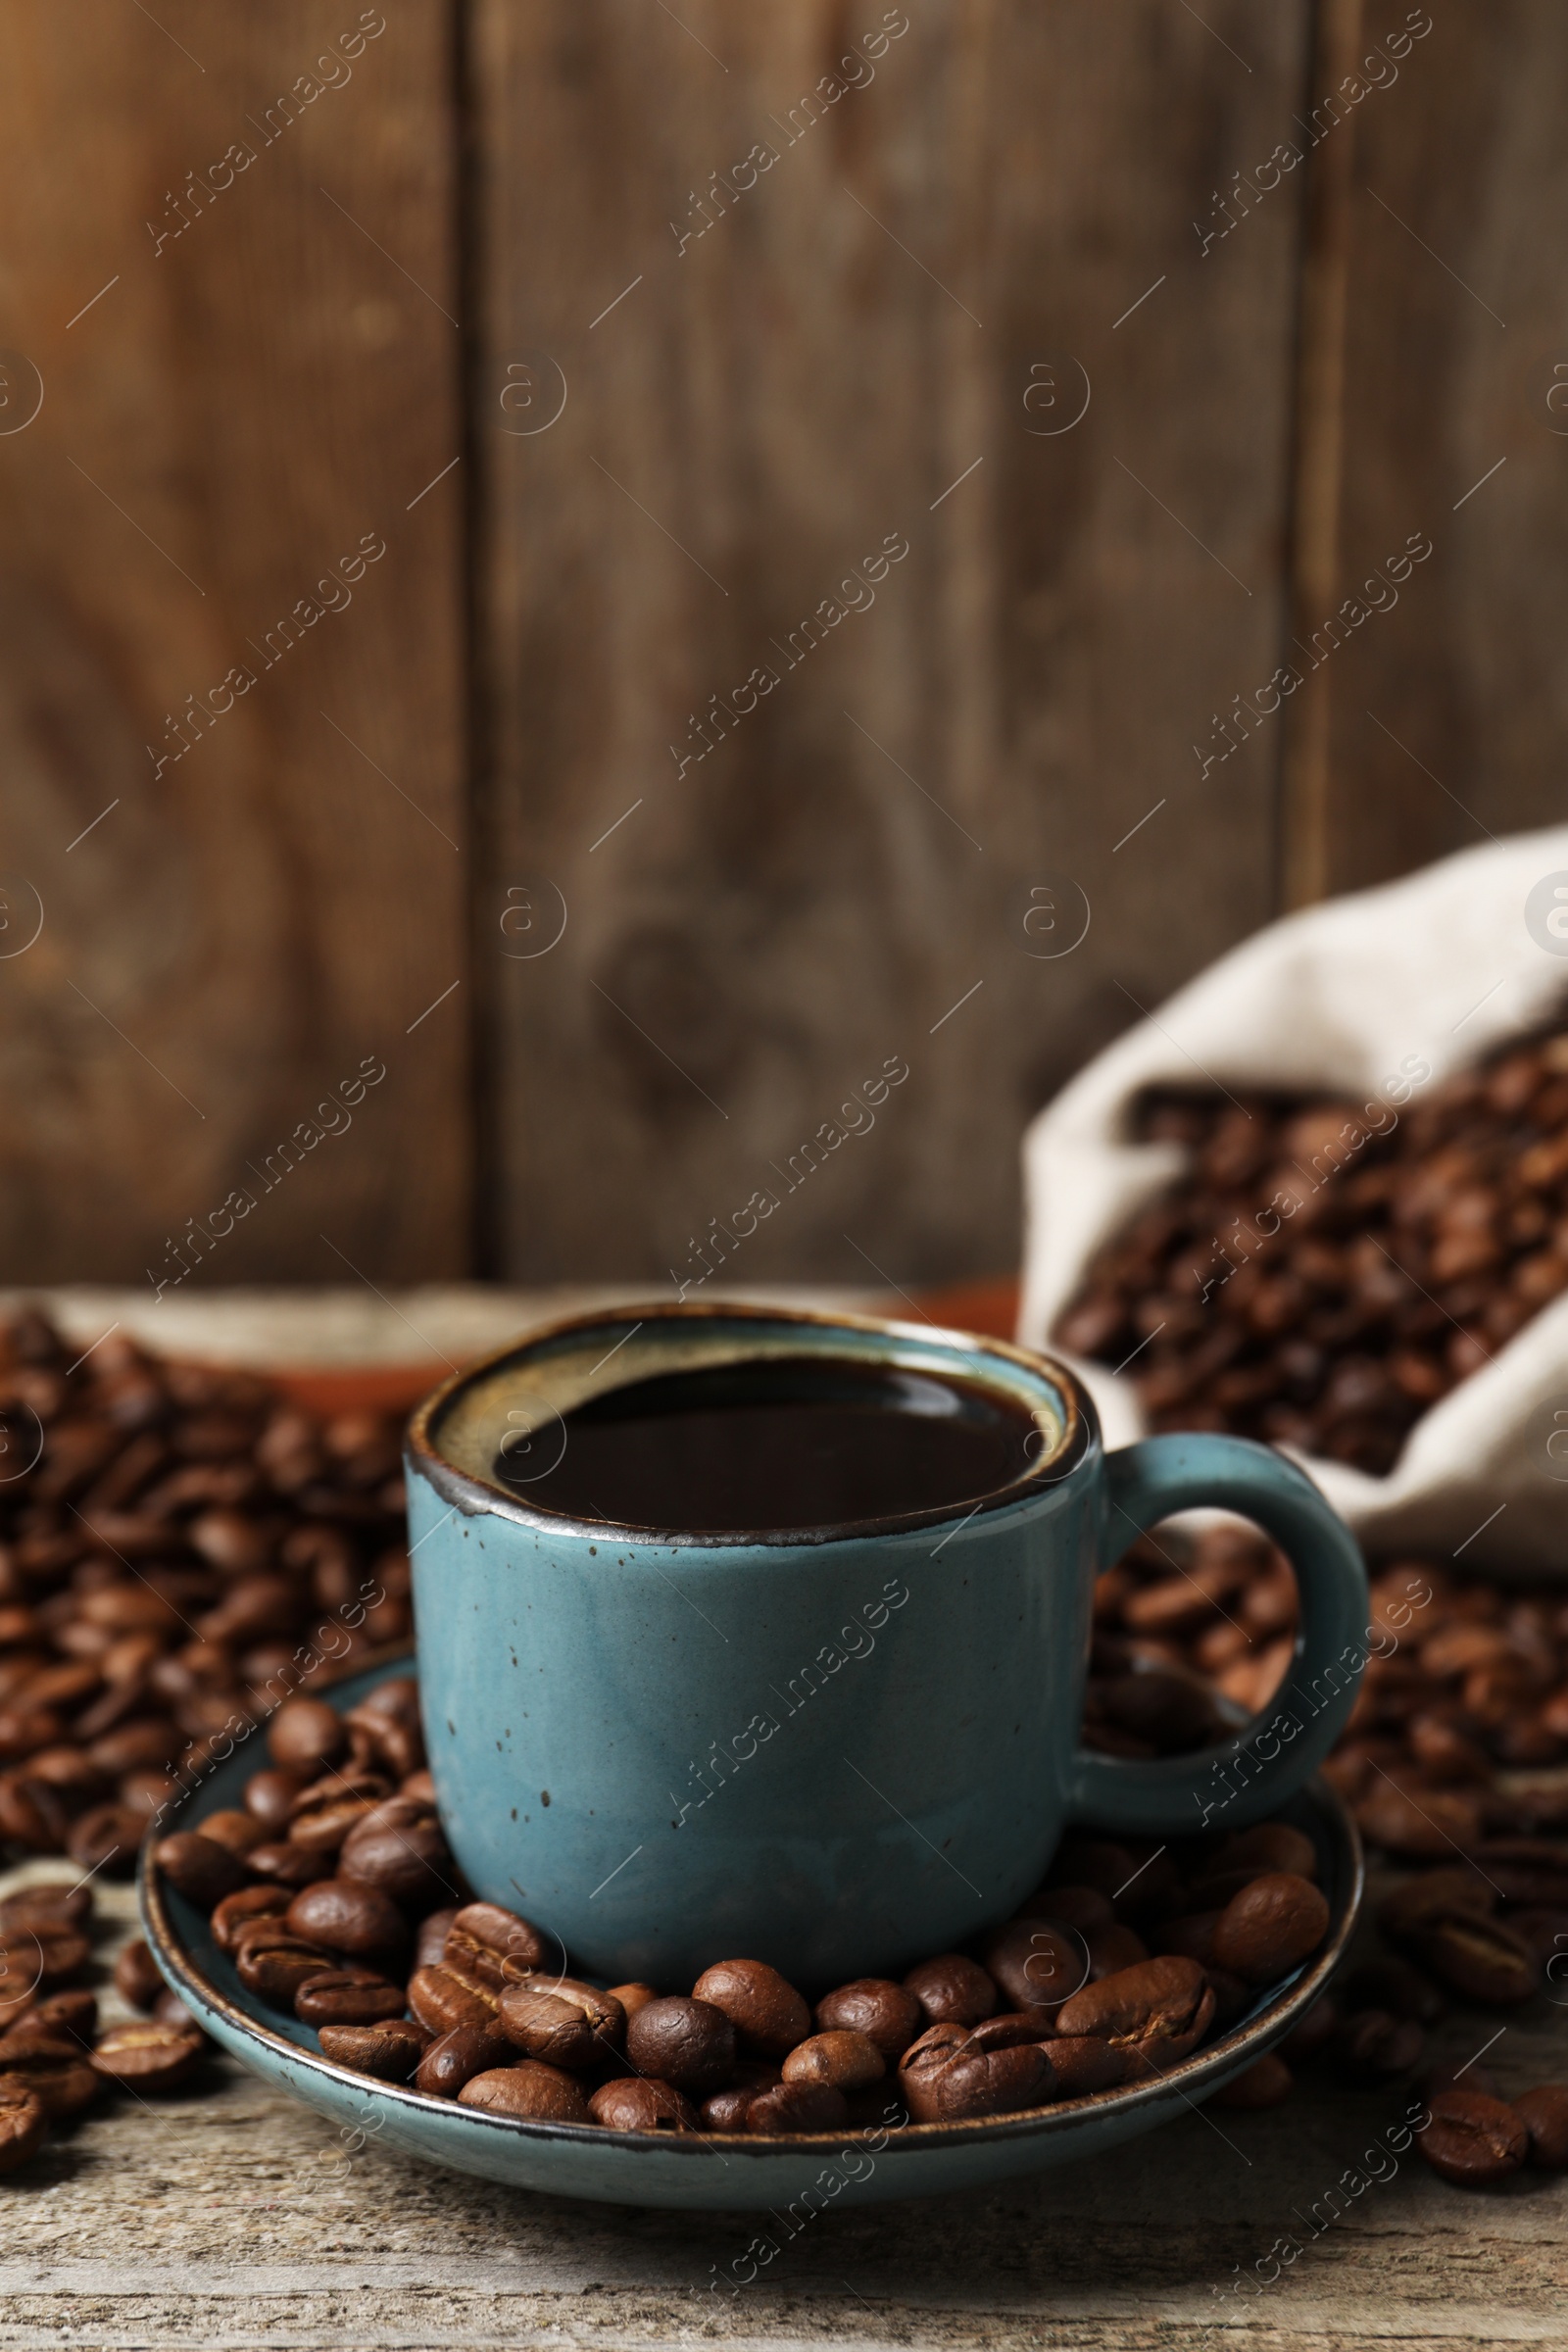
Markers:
point(1317, 463)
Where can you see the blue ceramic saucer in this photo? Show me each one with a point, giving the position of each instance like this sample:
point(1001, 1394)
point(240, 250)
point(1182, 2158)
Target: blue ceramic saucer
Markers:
point(733, 2172)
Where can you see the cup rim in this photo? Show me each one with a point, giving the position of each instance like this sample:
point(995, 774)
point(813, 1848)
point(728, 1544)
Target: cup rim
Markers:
point(472, 1495)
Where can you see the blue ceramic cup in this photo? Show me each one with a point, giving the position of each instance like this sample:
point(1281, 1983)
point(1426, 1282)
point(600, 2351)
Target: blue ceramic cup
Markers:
point(837, 1749)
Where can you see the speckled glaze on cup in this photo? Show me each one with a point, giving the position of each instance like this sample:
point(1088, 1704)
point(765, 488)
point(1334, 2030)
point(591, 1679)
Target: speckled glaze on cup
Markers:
point(837, 1749)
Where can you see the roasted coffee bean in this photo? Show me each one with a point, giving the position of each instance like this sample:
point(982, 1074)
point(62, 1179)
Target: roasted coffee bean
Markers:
point(766, 2012)
point(632, 2104)
point(323, 1813)
point(1081, 2063)
point(276, 1967)
point(1266, 2082)
point(271, 1795)
point(1433, 1894)
point(399, 1847)
point(498, 1945)
point(1473, 2139)
point(542, 2093)
point(286, 1864)
point(239, 1831)
point(49, 1903)
point(688, 2042)
point(69, 2016)
point(456, 2057)
point(200, 1869)
point(725, 2110)
point(1370, 2045)
point(169, 2010)
point(1270, 1926)
point(1112, 1948)
point(633, 1997)
point(306, 1733)
point(1161, 2009)
point(21, 2126)
point(105, 1839)
point(1544, 2112)
point(887, 2014)
point(1420, 1826)
point(348, 1917)
point(1268, 1846)
point(1036, 1965)
point(952, 1990)
point(1398, 1987)
point(263, 1902)
point(147, 2057)
point(53, 2068)
point(565, 2023)
point(1480, 1959)
point(348, 1997)
point(1080, 1907)
point(449, 1997)
point(391, 2051)
point(386, 1726)
point(796, 2107)
point(990, 2069)
point(841, 2057)
point(430, 1937)
point(41, 1955)
point(139, 1979)
point(1191, 1934)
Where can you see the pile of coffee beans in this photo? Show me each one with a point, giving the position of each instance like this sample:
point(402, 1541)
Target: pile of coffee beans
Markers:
point(334, 1893)
point(180, 1548)
point(55, 2060)
point(1327, 1270)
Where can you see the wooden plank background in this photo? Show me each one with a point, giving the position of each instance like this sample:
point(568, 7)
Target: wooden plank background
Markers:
point(786, 636)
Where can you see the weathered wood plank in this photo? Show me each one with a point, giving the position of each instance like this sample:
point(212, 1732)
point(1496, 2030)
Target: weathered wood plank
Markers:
point(787, 855)
point(1444, 717)
point(203, 659)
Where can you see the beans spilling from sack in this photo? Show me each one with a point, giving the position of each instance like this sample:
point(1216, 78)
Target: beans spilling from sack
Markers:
point(1327, 1270)
point(335, 1895)
point(179, 1549)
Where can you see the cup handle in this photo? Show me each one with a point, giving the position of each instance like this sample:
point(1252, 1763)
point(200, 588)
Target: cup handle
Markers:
point(1250, 1774)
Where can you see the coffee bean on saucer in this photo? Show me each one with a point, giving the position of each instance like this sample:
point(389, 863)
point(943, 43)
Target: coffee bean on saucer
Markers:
point(430, 1937)
point(542, 2093)
point(274, 1963)
point(846, 2060)
point(348, 1917)
point(288, 1864)
point(456, 2057)
point(200, 1869)
point(1112, 1948)
point(690, 2044)
point(147, 2057)
point(348, 1997)
point(1085, 2062)
point(992, 2069)
point(21, 2126)
point(1161, 2009)
point(725, 2110)
point(1270, 1926)
point(1036, 1965)
point(266, 1900)
point(270, 1798)
point(323, 1814)
point(952, 1990)
point(1544, 2112)
point(889, 2015)
point(565, 2022)
point(1266, 2082)
point(499, 1946)
point(633, 1997)
point(305, 1734)
point(769, 2015)
point(632, 2103)
point(391, 2051)
point(1472, 2139)
point(796, 2107)
point(239, 1831)
point(400, 1847)
point(139, 1979)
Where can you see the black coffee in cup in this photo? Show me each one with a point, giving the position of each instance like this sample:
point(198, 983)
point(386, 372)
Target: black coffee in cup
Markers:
point(780, 1442)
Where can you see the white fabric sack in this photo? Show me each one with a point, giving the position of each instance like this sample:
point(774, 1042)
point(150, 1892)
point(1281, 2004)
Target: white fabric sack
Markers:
point(1442, 966)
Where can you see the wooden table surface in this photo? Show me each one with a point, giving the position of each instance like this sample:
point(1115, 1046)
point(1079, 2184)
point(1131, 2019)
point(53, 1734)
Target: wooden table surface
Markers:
point(229, 2217)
